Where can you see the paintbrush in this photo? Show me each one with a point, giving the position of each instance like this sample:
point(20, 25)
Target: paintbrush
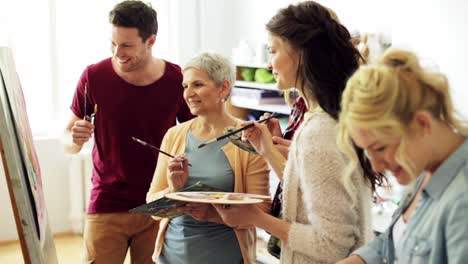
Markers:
point(85, 96)
point(93, 115)
point(153, 147)
point(236, 131)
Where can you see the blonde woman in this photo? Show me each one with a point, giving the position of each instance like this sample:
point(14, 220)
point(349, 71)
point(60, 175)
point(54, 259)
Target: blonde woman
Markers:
point(404, 119)
point(200, 236)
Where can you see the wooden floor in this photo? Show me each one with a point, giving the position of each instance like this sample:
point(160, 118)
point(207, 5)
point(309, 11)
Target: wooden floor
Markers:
point(69, 250)
point(70, 247)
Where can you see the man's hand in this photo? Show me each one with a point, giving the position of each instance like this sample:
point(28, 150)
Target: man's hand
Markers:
point(81, 131)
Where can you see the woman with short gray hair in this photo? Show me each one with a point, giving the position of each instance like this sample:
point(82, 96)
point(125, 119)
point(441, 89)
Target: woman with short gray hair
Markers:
point(216, 66)
point(200, 235)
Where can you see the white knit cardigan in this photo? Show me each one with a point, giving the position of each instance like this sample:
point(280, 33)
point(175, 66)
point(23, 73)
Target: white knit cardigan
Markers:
point(327, 220)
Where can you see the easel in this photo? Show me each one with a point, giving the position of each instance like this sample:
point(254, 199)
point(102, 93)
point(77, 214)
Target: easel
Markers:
point(22, 169)
point(26, 257)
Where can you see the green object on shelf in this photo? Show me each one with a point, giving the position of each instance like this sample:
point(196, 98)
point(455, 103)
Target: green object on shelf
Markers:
point(248, 74)
point(264, 76)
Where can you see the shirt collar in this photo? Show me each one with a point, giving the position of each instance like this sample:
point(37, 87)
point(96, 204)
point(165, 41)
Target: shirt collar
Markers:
point(447, 171)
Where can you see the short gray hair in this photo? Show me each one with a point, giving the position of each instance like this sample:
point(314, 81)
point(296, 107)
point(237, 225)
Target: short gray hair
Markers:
point(217, 67)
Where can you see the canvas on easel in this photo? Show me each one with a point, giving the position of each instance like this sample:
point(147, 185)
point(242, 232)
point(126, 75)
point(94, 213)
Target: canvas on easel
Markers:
point(22, 171)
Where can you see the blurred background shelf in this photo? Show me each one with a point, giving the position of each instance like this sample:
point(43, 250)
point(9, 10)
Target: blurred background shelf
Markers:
point(256, 85)
point(259, 98)
point(277, 108)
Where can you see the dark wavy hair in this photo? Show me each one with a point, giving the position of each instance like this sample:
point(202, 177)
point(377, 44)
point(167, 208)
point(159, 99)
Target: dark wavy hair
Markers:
point(135, 14)
point(327, 59)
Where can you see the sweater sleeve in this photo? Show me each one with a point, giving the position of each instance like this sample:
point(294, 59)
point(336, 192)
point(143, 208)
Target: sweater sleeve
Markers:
point(331, 233)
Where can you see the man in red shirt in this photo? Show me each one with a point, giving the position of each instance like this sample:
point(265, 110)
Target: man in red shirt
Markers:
point(132, 94)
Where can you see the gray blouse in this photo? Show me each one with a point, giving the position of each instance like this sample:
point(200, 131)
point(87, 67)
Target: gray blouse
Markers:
point(188, 240)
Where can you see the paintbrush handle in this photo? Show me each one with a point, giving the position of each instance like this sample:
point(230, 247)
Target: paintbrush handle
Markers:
point(93, 115)
point(85, 99)
point(153, 147)
point(245, 127)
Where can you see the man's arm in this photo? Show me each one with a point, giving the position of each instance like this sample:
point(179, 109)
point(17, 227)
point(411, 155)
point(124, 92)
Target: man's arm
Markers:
point(77, 132)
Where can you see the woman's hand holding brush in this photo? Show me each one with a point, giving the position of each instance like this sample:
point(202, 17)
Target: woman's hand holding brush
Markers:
point(259, 136)
point(178, 173)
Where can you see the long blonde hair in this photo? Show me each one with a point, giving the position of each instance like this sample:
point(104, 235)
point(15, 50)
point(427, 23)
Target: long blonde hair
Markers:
point(385, 96)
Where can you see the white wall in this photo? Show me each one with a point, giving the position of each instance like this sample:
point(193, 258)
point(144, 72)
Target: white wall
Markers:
point(219, 22)
point(436, 29)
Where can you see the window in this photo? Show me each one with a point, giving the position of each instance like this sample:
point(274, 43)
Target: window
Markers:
point(25, 28)
point(54, 45)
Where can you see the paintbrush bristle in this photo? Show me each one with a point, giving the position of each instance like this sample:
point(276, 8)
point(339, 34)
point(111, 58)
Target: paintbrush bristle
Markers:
point(138, 141)
point(202, 145)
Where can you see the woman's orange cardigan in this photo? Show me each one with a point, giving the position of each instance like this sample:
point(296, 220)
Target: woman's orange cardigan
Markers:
point(251, 175)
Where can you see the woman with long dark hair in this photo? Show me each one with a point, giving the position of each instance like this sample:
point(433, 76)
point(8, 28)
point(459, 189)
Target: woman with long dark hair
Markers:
point(324, 219)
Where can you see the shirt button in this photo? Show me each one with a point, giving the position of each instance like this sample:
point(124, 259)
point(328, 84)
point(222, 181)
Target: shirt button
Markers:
point(416, 248)
point(385, 260)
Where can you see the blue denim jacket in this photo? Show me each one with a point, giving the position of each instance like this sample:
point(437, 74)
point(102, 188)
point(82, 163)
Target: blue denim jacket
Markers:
point(437, 232)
